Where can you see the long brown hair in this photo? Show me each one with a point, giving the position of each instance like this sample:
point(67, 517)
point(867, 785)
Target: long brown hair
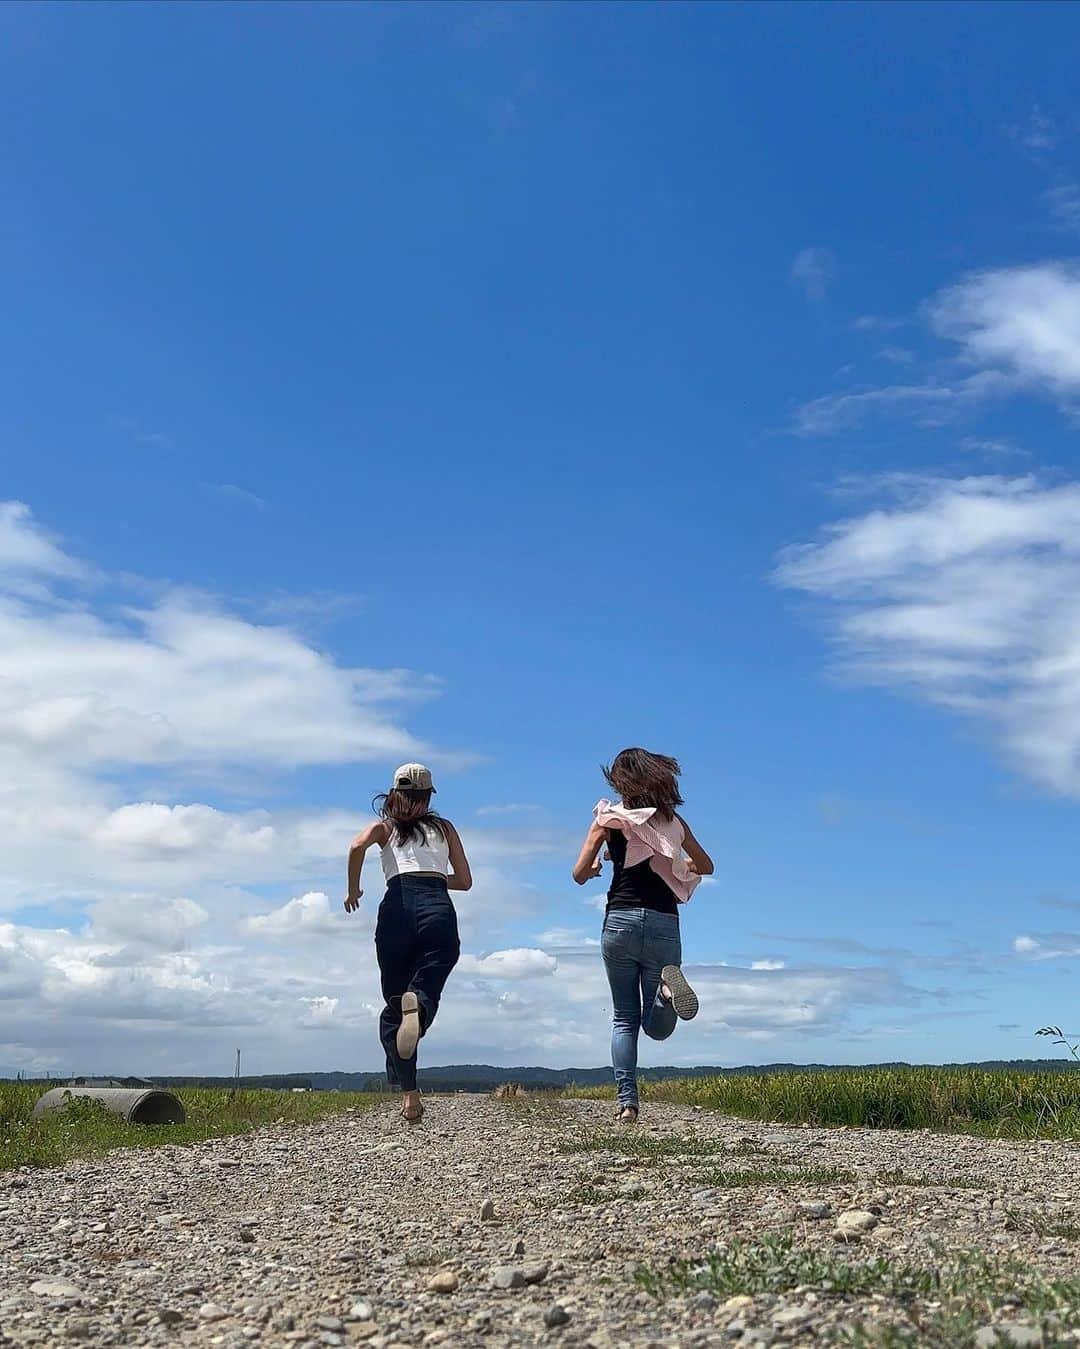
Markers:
point(409, 811)
point(644, 779)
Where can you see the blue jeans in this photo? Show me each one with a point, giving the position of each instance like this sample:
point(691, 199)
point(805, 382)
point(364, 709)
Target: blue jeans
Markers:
point(637, 944)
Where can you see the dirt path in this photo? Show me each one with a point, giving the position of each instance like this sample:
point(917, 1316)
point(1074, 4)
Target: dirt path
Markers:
point(333, 1233)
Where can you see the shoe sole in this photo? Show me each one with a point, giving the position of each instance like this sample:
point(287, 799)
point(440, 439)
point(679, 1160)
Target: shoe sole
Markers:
point(683, 997)
point(408, 1033)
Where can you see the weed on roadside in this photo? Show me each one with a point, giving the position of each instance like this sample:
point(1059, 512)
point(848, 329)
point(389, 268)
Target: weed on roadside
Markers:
point(959, 1291)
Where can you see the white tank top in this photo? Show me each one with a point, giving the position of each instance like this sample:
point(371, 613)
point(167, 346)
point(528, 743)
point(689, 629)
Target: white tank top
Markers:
point(430, 854)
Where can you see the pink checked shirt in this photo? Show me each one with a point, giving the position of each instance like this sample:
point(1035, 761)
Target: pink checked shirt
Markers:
point(658, 840)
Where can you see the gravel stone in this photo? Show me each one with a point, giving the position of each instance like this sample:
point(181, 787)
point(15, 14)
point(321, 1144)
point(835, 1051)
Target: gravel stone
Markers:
point(556, 1315)
point(856, 1220)
point(446, 1281)
point(58, 1288)
point(508, 1276)
point(1012, 1333)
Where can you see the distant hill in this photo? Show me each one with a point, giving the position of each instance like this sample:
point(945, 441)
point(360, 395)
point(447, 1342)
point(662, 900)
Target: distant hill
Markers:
point(485, 1077)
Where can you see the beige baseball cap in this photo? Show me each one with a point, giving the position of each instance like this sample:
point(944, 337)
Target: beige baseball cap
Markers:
point(413, 777)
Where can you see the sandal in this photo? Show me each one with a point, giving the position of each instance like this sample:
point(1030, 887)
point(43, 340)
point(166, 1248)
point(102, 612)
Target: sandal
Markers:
point(412, 1114)
point(628, 1114)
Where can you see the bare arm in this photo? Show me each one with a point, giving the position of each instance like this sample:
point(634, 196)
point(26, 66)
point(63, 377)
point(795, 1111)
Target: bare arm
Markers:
point(587, 867)
point(700, 861)
point(460, 877)
point(374, 833)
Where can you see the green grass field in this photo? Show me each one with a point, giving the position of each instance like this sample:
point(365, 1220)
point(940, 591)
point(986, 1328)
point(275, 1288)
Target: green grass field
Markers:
point(992, 1103)
point(86, 1129)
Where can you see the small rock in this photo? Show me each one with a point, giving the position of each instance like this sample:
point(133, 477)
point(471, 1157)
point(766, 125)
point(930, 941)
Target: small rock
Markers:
point(518, 1248)
point(246, 1234)
point(703, 1301)
point(856, 1220)
point(361, 1311)
point(331, 1337)
point(77, 1330)
point(330, 1323)
point(59, 1288)
point(535, 1273)
point(487, 1210)
point(210, 1311)
point(815, 1208)
point(556, 1316)
point(169, 1316)
point(508, 1276)
point(738, 1302)
point(443, 1282)
point(791, 1316)
point(1010, 1333)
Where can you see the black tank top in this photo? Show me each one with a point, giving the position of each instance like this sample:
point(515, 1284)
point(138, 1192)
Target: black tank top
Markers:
point(637, 887)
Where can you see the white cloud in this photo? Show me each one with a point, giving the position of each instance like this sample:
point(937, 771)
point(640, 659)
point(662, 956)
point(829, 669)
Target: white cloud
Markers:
point(566, 937)
point(871, 323)
point(768, 964)
point(1013, 329)
point(965, 592)
point(897, 355)
point(320, 1010)
point(166, 924)
point(930, 404)
point(179, 681)
point(1048, 946)
point(1024, 321)
point(813, 270)
point(27, 551)
point(1063, 203)
point(522, 962)
point(309, 915)
point(1037, 134)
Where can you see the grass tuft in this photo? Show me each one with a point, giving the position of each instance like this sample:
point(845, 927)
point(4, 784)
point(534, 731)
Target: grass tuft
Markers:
point(959, 1292)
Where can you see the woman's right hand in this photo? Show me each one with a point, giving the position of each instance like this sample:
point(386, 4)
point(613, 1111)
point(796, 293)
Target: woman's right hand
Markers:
point(352, 902)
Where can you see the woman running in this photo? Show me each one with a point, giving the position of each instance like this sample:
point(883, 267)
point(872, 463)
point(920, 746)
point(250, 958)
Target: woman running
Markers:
point(416, 933)
point(646, 842)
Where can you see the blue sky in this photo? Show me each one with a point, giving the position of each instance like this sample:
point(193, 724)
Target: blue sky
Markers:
point(500, 385)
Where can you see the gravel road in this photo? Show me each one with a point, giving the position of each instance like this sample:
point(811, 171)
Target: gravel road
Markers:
point(485, 1227)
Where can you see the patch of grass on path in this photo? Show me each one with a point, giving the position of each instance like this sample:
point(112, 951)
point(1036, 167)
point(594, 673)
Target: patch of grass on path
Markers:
point(994, 1103)
point(724, 1179)
point(87, 1129)
point(960, 1290)
point(643, 1147)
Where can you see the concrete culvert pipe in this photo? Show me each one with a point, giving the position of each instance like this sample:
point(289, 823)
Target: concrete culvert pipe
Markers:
point(138, 1105)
